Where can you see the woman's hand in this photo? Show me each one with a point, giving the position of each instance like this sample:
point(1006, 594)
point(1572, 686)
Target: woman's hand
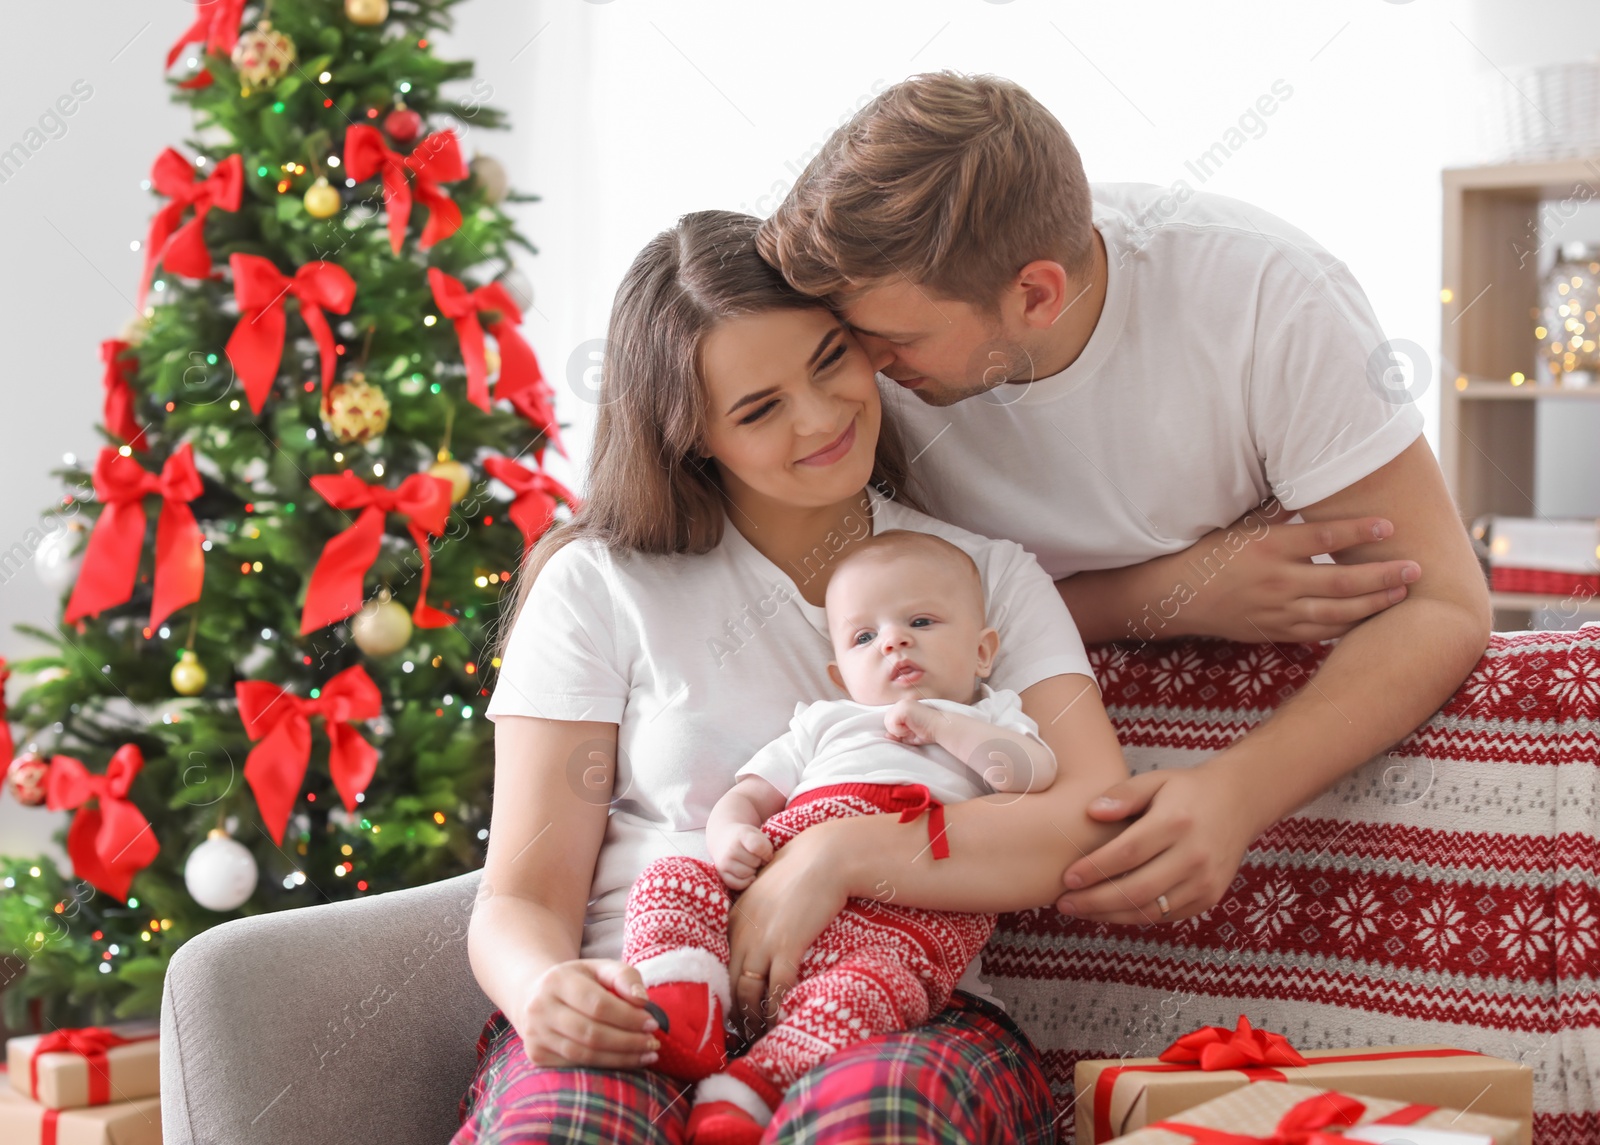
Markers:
point(587, 1012)
point(772, 923)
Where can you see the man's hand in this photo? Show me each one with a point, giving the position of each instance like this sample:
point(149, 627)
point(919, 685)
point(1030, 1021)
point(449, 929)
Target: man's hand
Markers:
point(739, 852)
point(910, 721)
point(1196, 825)
point(1255, 581)
point(1252, 581)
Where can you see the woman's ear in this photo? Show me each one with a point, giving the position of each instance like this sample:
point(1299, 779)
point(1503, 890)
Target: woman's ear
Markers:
point(988, 649)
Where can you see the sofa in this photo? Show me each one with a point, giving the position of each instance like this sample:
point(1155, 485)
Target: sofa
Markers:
point(1444, 892)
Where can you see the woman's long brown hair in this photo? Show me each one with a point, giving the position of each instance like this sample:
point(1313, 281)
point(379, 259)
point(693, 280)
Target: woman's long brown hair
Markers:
point(649, 490)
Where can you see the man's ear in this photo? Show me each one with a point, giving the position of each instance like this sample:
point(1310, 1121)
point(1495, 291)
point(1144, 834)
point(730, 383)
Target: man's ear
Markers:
point(1045, 288)
point(988, 649)
point(833, 674)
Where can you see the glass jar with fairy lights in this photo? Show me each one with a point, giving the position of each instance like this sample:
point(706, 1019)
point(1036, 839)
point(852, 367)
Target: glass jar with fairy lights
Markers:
point(1569, 316)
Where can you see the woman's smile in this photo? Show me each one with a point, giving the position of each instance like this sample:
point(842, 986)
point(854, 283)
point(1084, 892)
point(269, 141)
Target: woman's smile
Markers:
point(834, 450)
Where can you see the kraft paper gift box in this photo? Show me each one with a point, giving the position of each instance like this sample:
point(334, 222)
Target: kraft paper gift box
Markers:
point(1119, 1095)
point(1271, 1111)
point(83, 1067)
point(24, 1122)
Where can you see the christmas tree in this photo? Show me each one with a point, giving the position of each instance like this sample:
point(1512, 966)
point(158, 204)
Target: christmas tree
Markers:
point(281, 574)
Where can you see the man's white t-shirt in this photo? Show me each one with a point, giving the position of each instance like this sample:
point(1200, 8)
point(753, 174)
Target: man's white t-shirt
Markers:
point(1235, 359)
point(841, 741)
point(700, 659)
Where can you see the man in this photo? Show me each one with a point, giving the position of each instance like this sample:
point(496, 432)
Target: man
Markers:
point(1142, 391)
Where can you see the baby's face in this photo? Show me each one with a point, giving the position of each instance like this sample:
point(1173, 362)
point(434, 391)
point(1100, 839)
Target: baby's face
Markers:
point(908, 625)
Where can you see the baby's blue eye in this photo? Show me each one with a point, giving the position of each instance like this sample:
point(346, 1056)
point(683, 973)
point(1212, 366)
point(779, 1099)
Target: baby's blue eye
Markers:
point(922, 621)
point(863, 638)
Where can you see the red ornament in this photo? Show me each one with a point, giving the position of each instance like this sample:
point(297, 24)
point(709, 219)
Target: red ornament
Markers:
point(28, 778)
point(403, 125)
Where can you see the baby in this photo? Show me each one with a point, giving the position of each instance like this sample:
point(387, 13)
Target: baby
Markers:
point(906, 618)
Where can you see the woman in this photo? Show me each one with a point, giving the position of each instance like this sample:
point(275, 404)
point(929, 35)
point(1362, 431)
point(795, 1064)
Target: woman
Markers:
point(661, 638)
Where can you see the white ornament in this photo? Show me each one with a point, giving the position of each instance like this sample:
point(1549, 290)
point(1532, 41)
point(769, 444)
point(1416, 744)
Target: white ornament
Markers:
point(220, 873)
point(491, 176)
point(58, 556)
point(519, 286)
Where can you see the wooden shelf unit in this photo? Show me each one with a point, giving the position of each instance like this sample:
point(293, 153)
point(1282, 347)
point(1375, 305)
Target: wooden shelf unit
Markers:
point(1490, 294)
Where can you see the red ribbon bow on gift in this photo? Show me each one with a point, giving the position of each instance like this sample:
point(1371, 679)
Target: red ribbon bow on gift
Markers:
point(117, 382)
point(335, 591)
point(536, 492)
point(282, 722)
point(111, 560)
point(1303, 1123)
point(89, 1042)
point(110, 843)
point(1217, 1047)
point(437, 159)
point(519, 369)
point(182, 249)
point(216, 26)
point(256, 345)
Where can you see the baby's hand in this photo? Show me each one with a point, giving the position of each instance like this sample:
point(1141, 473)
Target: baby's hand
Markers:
point(910, 721)
point(739, 854)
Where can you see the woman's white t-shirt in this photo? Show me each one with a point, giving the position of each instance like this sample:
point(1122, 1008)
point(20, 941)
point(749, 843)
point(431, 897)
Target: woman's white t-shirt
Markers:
point(700, 659)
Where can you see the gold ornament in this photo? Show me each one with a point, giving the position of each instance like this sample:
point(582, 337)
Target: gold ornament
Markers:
point(322, 201)
point(382, 627)
point(135, 329)
point(357, 410)
point(366, 12)
point(459, 476)
point(188, 675)
point(262, 57)
point(491, 361)
point(490, 174)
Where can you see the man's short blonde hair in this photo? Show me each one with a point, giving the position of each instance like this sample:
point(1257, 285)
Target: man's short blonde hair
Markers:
point(954, 182)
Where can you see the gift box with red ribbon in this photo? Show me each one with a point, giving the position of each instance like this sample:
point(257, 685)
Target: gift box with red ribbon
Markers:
point(1116, 1096)
point(90, 1066)
point(1271, 1113)
point(24, 1122)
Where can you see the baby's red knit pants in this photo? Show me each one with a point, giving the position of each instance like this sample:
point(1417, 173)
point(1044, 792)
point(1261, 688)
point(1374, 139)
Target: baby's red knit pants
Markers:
point(876, 968)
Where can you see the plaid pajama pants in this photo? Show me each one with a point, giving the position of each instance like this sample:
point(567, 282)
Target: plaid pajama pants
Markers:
point(965, 1077)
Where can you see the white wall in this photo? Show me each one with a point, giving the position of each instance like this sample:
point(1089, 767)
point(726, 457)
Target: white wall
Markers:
point(628, 114)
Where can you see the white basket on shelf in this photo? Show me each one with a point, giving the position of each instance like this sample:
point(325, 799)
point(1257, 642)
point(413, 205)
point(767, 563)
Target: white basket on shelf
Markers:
point(1538, 113)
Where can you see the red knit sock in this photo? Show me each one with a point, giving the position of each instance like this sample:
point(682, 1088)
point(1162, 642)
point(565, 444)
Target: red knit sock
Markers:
point(722, 1123)
point(693, 1044)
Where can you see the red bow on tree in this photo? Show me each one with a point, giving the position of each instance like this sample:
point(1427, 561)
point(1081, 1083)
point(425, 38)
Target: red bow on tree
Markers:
point(1301, 1125)
point(215, 27)
point(256, 346)
point(182, 249)
point(437, 159)
point(8, 748)
point(335, 591)
point(281, 720)
point(1217, 1047)
point(519, 369)
point(110, 843)
point(535, 404)
point(536, 492)
point(111, 559)
point(117, 381)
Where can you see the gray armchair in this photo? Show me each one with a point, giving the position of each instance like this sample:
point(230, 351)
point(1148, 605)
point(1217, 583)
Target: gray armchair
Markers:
point(333, 1025)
